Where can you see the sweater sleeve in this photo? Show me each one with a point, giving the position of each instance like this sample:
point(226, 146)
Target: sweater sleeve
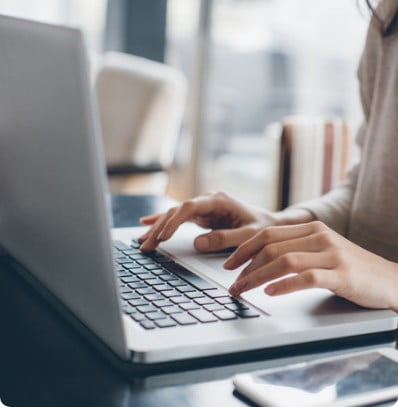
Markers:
point(334, 208)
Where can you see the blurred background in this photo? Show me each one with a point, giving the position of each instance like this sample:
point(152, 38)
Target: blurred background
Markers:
point(247, 64)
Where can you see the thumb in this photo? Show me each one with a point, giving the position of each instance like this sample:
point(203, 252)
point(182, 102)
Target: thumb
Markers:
point(222, 239)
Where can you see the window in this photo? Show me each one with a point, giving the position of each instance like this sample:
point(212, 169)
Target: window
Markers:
point(267, 59)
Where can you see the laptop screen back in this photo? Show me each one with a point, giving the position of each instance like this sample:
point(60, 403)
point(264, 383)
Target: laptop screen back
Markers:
point(53, 215)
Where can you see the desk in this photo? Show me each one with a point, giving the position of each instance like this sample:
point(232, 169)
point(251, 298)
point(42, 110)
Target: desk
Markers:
point(43, 362)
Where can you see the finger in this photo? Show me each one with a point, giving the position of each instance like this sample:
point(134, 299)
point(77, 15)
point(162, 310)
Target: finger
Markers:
point(151, 219)
point(152, 240)
point(284, 265)
point(311, 243)
point(270, 235)
point(222, 239)
point(319, 278)
point(200, 206)
point(143, 237)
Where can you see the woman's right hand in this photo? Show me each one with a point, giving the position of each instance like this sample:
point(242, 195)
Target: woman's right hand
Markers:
point(231, 221)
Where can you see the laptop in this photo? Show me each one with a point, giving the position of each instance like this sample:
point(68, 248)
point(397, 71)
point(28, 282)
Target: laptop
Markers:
point(144, 310)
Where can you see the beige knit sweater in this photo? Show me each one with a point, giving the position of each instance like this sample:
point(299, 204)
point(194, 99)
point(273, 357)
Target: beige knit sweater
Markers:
point(365, 209)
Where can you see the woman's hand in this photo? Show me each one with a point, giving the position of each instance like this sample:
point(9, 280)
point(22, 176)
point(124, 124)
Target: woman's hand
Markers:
point(232, 222)
point(312, 255)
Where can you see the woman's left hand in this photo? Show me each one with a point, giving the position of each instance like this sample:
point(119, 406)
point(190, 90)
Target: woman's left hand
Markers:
point(312, 255)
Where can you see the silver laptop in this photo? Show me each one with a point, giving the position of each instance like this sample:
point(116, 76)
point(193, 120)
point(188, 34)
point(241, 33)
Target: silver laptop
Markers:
point(171, 305)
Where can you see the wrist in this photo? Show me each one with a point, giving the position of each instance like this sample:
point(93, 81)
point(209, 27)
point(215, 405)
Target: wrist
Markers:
point(293, 216)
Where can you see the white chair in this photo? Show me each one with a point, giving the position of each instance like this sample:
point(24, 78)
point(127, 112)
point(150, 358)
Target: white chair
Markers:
point(141, 105)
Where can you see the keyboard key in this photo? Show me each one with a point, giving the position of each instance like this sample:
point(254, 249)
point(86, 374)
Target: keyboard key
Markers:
point(204, 316)
point(216, 293)
point(139, 270)
point(134, 243)
point(125, 273)
point(156, 315)
point(128, 309)
point(185, 289)
point(152, 281)
point(162, 303)
point(138, 317)
point(145, 291)
point(189, 306)
point(154, 297)
point(143, 262)
point(145, 276)
point(184, 319)
point(130, 279)
point(195, 294)
point(214, 307)
point(225, 315)
point(138, 256)
point(130, 296)
point(160, 272)
point(226, 300)
point(171, 293)
point(236, 306)
point(130, 266)
point(124, 289)
point(123, 260)
point(170, 277)
point(176, 283)
point(247, 313)
point(148, 324)
point(146, 308)
point(138, 302)
point(174, 309)
point(204, 301)
point(119, 245)
point(138, 284)
point(130, 251)
point(151, 266)
point(161, 287)
point(193, 279)
point(165, 323)
point(179, 300)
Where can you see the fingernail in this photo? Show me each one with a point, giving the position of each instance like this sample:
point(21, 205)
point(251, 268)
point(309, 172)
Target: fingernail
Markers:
point(270, 290)
point(238, 287)
point(202, 243)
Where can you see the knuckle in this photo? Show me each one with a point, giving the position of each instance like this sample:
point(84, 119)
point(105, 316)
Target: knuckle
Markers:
point(339, 258)
point(318, 226)
point(325, 237)
point(221, 195)
point(270, 252)
point(187, 205)
point(290, 261)
point(312, 278)
point(252, 229)
point(266, 234)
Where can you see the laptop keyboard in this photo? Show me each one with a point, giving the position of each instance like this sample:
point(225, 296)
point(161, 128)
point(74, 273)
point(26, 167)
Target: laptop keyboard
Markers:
point(156, 292)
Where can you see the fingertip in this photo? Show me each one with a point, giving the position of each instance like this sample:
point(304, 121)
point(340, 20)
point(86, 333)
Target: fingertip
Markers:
point(270, 289)
point(229, 263)
point(202, 243)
